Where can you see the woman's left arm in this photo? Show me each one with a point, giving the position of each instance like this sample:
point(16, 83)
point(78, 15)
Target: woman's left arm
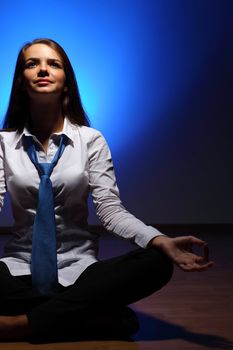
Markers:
point(106, 197)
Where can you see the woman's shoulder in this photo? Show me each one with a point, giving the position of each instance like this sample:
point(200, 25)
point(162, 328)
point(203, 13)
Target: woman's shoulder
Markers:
point(87, 134)
point(92, 136)
point(7, 130)
point(89, 131)
point(8, 133)
point(8, 137)
point(85, 131)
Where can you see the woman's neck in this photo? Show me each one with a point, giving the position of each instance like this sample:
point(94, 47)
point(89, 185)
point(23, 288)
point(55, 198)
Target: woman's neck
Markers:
point(45, 119)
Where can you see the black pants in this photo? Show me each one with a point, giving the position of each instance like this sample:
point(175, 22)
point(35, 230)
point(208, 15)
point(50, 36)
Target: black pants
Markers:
point(107, 284)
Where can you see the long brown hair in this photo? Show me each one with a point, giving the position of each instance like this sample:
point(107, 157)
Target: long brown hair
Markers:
point(18, 114)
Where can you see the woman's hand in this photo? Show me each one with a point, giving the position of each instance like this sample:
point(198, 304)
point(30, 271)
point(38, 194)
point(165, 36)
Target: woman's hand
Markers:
point(179, 249)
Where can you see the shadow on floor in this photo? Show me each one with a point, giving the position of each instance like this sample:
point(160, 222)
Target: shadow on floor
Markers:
point(155, 329)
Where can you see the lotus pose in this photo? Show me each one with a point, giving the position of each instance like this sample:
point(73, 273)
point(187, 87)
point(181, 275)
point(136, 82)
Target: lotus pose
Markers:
point(52, 283)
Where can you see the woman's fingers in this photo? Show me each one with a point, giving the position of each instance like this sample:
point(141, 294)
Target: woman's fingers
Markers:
point(196, 267)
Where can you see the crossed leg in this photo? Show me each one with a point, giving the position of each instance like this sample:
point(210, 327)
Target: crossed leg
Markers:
point(77, 309)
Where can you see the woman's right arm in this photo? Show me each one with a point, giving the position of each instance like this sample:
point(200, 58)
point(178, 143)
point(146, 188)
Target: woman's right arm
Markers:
point(2, 173)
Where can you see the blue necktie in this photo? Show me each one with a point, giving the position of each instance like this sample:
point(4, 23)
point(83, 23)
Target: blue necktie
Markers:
point(44, 247)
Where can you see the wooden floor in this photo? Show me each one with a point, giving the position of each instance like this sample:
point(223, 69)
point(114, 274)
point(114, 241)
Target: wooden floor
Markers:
point(193, 312)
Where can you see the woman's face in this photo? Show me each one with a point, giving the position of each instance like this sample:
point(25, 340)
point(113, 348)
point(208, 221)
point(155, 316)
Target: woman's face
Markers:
point(44, 71)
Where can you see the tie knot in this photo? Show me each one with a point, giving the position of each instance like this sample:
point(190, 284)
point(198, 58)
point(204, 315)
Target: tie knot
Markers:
point(45, 168)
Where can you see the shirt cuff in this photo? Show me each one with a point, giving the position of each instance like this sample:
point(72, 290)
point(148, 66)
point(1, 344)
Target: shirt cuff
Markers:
point(148, 234)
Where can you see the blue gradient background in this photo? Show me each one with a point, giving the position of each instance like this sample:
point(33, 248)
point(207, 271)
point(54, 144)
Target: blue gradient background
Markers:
point(156, 77)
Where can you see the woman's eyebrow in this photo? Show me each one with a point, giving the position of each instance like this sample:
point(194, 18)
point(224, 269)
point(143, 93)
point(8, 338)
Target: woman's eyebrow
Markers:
point(32, 58)
point(54, 59)
point(38, 59)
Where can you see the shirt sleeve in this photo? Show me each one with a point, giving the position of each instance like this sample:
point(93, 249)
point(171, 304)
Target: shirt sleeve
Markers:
point(2, 175)
point(105, 194)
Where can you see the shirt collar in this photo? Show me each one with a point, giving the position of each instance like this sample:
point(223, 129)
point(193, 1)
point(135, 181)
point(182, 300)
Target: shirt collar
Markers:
point(68, 130)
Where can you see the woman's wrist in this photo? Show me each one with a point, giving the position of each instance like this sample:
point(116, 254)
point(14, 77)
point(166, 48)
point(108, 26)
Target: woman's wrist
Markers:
point(158, 241)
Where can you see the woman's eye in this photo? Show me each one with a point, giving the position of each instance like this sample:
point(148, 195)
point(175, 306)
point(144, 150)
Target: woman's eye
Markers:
point(55, 64)
point(30, 64)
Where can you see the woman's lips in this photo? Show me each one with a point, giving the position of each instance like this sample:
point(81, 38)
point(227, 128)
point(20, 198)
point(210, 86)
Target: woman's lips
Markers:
point(42, 82)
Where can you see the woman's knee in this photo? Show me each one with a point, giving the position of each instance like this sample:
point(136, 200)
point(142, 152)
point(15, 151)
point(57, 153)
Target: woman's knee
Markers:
point(162, 266)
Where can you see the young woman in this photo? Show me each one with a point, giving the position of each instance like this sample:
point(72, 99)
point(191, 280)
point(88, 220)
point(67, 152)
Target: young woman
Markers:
point(87, 297)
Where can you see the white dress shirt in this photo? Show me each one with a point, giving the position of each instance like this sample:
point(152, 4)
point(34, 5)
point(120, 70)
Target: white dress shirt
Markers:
point(85, 166)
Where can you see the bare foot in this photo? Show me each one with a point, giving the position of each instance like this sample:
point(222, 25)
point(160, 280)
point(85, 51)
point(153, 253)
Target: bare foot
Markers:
point(12, 327)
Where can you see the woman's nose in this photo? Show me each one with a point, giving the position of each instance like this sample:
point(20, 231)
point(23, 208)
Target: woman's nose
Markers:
point(43, 72)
